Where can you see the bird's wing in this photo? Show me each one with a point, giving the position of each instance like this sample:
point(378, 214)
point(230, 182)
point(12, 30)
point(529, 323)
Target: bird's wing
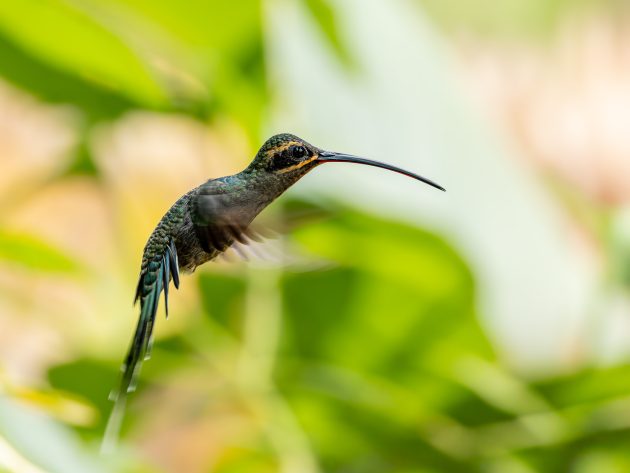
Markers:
point(229, 227)
point(221, 219)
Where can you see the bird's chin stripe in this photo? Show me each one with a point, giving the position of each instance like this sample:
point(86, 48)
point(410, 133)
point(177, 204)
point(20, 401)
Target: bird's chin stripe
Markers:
point(297, 166)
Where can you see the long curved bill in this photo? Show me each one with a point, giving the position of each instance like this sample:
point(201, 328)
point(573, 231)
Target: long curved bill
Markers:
point(332, 157)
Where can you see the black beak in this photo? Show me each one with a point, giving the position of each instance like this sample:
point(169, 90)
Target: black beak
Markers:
point(331, 157)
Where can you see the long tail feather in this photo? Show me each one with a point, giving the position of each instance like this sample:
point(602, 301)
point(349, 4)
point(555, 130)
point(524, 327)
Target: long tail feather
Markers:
point(153, 280)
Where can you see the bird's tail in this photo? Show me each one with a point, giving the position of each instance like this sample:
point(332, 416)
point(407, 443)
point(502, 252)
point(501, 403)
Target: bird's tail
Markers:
point(154, 279)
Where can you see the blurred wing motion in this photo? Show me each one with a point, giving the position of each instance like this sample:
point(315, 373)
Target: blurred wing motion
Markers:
point(238, 233)
point(220, 220)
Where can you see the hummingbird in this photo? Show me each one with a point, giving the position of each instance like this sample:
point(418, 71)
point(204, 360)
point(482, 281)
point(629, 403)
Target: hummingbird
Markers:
point(212, 217)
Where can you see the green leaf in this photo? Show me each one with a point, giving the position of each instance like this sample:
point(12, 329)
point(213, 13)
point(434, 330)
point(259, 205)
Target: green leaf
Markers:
point(224, 48)
point(223, 299)
point(33, 253)
point(91, 380)
point(55, 85)
point(372, 348)
point(67, 38)
point(43, 442)
point(588, 385)
point(324, 15)
point(244, 460)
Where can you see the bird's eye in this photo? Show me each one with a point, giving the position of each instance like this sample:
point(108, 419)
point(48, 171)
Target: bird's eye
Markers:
point(289, 157)
point(298, 152)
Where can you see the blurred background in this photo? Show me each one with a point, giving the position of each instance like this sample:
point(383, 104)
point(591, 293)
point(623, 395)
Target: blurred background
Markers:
point(482, 330)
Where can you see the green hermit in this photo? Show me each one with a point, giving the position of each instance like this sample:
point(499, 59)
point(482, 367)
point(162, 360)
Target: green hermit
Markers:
point(208, 220)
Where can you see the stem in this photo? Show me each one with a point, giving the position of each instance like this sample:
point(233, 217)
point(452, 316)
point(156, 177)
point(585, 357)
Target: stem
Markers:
point(262, 328)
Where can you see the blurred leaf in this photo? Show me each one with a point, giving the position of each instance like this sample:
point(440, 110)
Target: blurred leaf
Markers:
point(602, 461)
point(225, 45)
point(65, 37)
point(63, 406)
point(315, 300)
point(509, 19)
point(241, 460)
point(583, 453)
point(108, 57)
point(589, 385)
point(44, 442)
point(83, 162)
point(413, 292)
point(392, 323)
point(324, 15)
point(111, 56)
point(349, 438)
point(57, 86)
point(35, 254)
point(90, 380)
point(407, 255)
point(223, 299)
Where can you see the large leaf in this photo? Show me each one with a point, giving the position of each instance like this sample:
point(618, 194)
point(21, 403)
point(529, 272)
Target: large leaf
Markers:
point(372, 348)
point(203, 58)
point(210, 52)
point(324, 15)
point(67, 38)
point(44, 443)
point(33, 253)
point(223, 299)
point(55, 85)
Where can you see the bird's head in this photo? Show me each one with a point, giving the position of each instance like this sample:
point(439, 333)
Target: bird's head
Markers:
point(287, 158)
